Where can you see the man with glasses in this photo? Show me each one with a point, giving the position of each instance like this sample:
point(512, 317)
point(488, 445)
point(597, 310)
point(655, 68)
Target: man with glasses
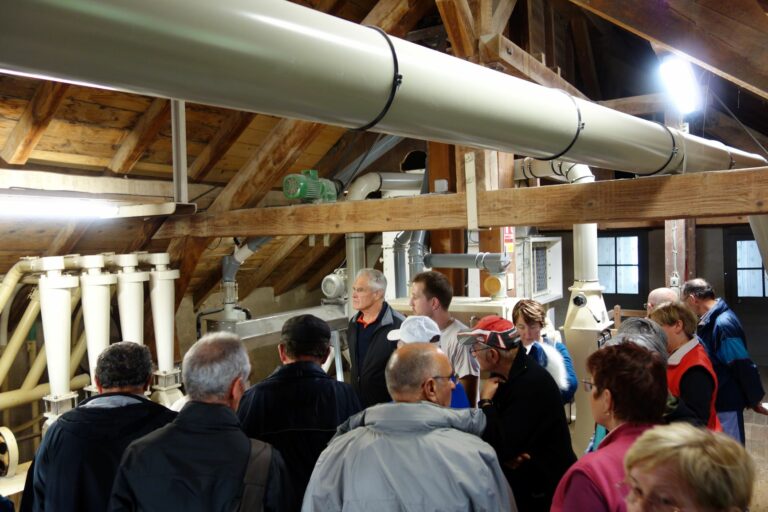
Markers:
point(526, 422)
point(738, 379)
point(369, 348)
point(414, 453)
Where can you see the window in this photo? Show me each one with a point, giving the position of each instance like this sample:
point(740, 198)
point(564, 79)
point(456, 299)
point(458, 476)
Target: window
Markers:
point(622, 267)
point(751, 278)
point(618, 262)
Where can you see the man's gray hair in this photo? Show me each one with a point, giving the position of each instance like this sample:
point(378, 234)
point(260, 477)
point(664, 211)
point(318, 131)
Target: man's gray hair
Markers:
point(124, 365)
point(699, 288)
point(376, 279)
point(644, 332)
point(211, 365)
point(405, 373)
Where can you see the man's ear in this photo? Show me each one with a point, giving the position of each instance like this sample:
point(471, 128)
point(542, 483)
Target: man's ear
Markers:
point(434, 302)
point(325, 357)
point(281, 352)
point(99, 387)
point(429, 389)
point(148, 383)
point(236, 392)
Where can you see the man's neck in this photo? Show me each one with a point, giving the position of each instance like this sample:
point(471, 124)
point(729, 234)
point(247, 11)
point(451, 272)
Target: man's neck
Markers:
point(372, 313)
point(442, 318)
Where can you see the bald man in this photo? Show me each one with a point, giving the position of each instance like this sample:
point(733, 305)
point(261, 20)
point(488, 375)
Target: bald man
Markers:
point(409, 454)
point(660, 296)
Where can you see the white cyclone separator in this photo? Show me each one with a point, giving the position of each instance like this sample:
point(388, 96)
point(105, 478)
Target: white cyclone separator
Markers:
point(56, 305)
point(97, 293)
point(130, 297)
point(162, 297)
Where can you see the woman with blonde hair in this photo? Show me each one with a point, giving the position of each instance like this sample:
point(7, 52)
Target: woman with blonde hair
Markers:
point(681, 467)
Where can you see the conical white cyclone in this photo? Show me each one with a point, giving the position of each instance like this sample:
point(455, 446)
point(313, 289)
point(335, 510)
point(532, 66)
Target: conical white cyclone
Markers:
point(96, 301)
point(162, 294)
point(130, 297)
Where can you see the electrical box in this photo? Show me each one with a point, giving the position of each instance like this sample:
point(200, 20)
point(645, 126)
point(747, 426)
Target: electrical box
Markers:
point(539, 268)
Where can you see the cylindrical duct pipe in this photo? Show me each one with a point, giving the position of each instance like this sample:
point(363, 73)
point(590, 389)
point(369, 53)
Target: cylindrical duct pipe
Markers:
point(97, 293)
point(416, 250)
point(398, 248)
point(585, 252)
point(130, 297)
point(527, 168)
point(161, 296)
point(55, 302)
point(267, 52)
point(494, 263)
point(20, 334)
point(355, 247)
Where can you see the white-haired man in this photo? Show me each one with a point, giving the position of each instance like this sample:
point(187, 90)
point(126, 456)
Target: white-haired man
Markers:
point(202, 461)
point(413, 454)
point(660, 296)
point(369, 348)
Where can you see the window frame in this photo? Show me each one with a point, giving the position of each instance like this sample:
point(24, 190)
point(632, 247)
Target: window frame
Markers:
point(629, 300)
point(731, 236)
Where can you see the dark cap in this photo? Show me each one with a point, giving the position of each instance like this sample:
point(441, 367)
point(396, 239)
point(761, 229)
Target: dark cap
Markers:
point(493, 331)
point(305, 330)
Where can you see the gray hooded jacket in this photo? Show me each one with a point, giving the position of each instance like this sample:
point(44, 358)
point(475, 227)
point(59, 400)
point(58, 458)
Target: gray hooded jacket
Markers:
point(409, 457)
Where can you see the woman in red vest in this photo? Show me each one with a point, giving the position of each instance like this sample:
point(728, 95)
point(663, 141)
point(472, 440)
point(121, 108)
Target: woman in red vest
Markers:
point(690, 375)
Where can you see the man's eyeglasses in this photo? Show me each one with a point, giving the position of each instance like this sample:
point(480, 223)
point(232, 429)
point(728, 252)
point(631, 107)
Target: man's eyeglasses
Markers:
point(474, 350)
point(588, 385)
point(452, 377)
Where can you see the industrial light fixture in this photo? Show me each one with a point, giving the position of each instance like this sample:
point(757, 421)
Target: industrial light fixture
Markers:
point(680, 83)
point(39, 205)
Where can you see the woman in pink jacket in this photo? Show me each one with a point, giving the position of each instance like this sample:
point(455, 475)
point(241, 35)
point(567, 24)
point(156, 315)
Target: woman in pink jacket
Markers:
point(628, 387)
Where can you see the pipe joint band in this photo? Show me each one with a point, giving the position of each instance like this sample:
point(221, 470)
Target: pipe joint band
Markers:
point(672, 154)
point(397, 79)
point(579, 127)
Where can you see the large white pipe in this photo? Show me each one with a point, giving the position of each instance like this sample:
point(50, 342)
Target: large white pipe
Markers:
point(55, 301)
point(161, 295)
point(20, 334)
point(284, 59)
point(97, 293)
point(130, 297)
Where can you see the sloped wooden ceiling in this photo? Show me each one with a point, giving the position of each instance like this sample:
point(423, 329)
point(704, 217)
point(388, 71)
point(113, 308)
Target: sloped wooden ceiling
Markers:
point(594, 49)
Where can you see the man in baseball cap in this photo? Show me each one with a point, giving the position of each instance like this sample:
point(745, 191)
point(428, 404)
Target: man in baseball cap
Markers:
point(526, 422)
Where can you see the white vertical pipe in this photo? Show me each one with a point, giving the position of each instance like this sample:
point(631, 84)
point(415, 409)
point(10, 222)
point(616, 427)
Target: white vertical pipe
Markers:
point(179, 140)
point(162, 294)
point(130, 297)
point(55, 302)
point(96, 304)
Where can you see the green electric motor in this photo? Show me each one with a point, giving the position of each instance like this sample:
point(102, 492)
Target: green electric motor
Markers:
point(309, 188)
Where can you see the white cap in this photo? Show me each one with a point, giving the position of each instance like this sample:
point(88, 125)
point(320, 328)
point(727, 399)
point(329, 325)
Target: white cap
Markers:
point(416, 329)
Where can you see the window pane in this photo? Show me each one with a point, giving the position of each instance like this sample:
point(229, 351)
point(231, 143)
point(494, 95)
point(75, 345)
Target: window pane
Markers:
point(606, 251)
point(747, 254)
point(626, 250)
point(765, 284)
point(607, 278)
point(749, 283)
point(628, 280)
point(540, 269)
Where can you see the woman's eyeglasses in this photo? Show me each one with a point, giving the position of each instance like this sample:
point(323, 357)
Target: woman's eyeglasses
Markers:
point(588, 385)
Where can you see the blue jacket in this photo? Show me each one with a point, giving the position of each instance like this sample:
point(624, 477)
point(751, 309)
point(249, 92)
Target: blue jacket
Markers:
point(297, 410)
point(738, 380)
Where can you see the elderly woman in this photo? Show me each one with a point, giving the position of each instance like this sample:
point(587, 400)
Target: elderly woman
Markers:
point(628, 388)
point(690, 375)
point(530, 318)
point(680, 467)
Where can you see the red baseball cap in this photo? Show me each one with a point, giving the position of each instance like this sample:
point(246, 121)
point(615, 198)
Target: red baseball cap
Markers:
point(493, 331)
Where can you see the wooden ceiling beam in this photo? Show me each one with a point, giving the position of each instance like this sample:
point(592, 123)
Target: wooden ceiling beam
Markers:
point(34, 120)
point(719, 193)
point(228, 133)
point(519, 63)
point(308, 260)
point(143, 134)
point(585, 56)
point(68, 237)
point(501, 15)
point(336, 259)
point(731, 132)
point(249, 282)
point(459, 24)
point(638, 105)
point(727, 38)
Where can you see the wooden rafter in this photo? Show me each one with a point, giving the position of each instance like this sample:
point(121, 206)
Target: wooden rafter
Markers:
point(729, 131)
point(518, 62)
point(720, 193)
point(67, 238)
point(248, 283)
point(335, 260)
point(459, 24)
point(638, 105)
point(585, 56)
point(727, 38)
point(32, 124)
point(138, 140)
point(231, 129)
point(501, 15)
point(308, 260)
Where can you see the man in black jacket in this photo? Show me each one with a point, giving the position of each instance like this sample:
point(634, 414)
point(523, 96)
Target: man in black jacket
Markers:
point(78, 458)
point(202, 462)
point(299, 406)
point(369, 348)
point(526, 421)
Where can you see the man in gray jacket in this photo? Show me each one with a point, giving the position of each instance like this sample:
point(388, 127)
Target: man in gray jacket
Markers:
point(414, 454)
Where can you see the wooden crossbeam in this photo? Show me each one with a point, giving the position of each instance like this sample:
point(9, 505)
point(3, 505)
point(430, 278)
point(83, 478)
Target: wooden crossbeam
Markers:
point(501, 15)
point(585, 56)
point(638, 105)
point(143, 134)
point(727, 38)
point(459, 24)
point(729, 131)
point(231, 129)
point(334, 262)
point(518, 62)
point(33, 121)
point(308, 260)
point(719, 193)
point(67, 238)
point(248, 283)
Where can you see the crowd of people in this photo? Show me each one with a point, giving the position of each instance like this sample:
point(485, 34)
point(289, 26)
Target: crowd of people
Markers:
point(418, 429)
